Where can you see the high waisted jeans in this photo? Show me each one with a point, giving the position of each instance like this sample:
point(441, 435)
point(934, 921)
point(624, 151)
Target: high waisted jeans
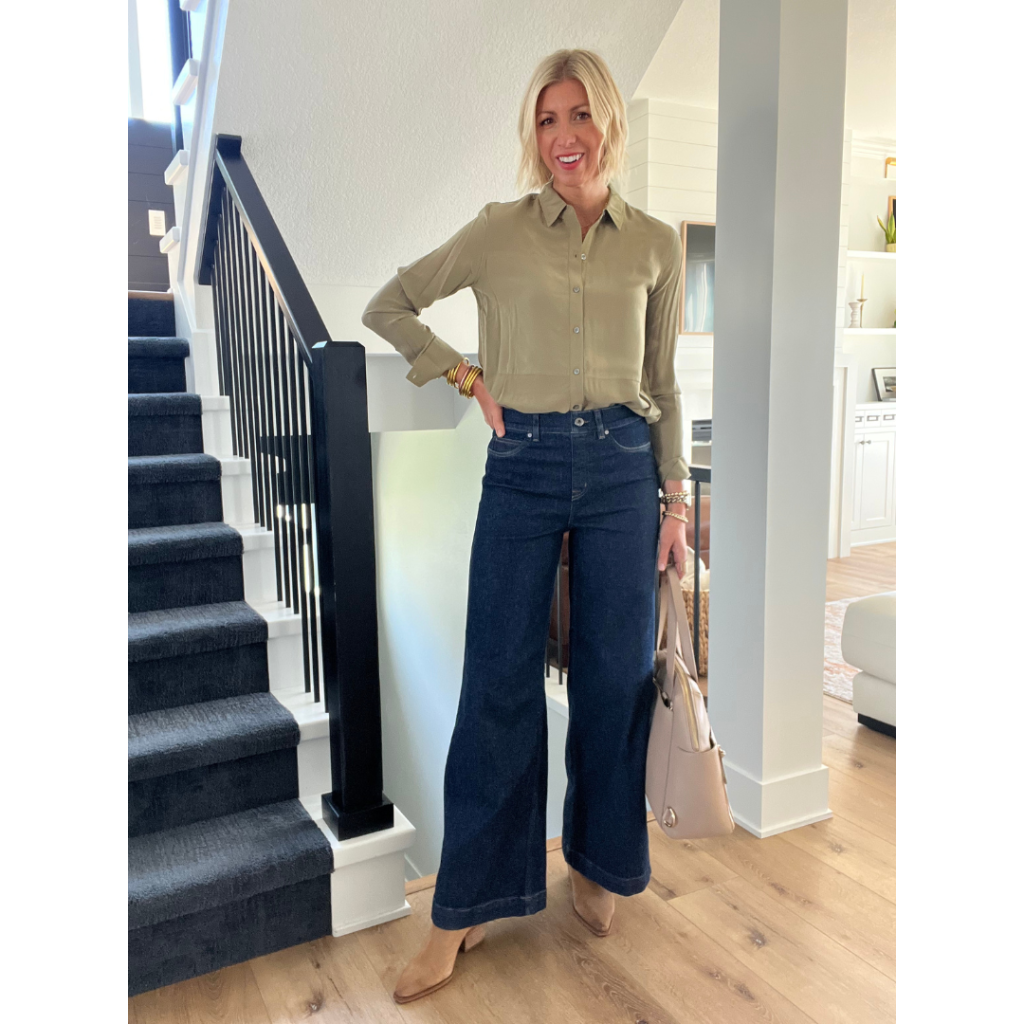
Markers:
point(594, 474)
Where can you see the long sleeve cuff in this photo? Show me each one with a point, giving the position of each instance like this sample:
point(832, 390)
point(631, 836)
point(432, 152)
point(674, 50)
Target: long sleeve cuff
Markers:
point(434, 361)
point(667, 439)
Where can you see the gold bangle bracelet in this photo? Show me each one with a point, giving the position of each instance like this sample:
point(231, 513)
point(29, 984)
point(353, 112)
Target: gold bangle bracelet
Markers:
point(467, 382)
point(676, 515)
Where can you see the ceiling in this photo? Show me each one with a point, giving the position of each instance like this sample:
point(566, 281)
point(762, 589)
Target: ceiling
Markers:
point(685, 68)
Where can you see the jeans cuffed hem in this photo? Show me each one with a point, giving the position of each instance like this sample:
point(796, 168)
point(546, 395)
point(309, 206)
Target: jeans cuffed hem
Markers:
point(619, 886)
point(511, 906)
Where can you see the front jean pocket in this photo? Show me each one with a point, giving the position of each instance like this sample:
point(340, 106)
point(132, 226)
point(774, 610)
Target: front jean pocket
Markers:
point(631, 435)
point(505, 447)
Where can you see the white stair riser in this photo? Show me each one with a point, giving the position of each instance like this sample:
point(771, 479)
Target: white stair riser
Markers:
point(259, 568)
point(284, 662)
point(315, 767)
point(236, 498)
point(216, 430)
point(368, 893)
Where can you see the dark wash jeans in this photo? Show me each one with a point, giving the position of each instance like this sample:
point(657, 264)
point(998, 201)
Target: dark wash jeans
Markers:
point(592, 473)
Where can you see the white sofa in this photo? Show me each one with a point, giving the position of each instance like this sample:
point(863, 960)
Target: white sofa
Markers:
point(869, 643)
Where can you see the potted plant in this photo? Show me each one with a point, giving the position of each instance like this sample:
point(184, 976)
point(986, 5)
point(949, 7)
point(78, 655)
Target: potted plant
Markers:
point(890, 231)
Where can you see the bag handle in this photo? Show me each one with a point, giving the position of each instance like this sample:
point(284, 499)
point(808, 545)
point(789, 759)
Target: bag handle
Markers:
point(676, 612)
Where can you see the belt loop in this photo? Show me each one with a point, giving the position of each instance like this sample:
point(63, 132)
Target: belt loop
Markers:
point(536, 426)
point(600, 424)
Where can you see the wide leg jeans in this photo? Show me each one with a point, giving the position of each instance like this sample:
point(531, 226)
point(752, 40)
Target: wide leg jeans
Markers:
point(591, 473)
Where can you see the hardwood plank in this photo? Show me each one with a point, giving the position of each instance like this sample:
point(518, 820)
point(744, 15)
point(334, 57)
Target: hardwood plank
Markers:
point(329, 978)
point(847, 847)
point(819, 975)
point(418, 884)
point(862, 760)
point(870, 569)
point(227, 996)
point(565, 982)
point(839, 717)
point(866, 806)
point(678, 866)
point(694, 977)
point(851, 913)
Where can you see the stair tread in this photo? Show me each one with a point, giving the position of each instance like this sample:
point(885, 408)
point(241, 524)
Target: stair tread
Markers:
point(165, 403)
point(157, 469)
point(221, 860)
point(188, 542)
point(157, 348)
point(196, 735)
point(197, 629)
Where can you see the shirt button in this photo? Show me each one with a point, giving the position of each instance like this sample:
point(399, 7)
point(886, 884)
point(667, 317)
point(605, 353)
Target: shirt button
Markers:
point(576, 371)
point(579, 421)
point(584, 256)
point(576, 330)
point(577, 288)
point(575, 406)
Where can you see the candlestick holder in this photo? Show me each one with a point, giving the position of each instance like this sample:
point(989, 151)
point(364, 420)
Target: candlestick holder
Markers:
point(857, 312)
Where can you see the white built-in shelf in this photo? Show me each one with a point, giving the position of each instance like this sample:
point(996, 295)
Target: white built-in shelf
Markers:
point(869, 330)
point(865, 254)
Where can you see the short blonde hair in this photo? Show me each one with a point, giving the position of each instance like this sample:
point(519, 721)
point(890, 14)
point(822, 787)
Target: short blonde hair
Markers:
point(607, 107)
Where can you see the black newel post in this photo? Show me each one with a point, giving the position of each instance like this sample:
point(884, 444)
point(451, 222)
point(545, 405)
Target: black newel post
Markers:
point(348, 590)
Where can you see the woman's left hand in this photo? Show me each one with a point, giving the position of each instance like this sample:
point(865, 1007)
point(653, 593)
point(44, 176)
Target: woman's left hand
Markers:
point(672, 541)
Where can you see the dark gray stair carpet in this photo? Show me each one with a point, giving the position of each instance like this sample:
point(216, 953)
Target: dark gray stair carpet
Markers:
point(183, 870)
point(156, 364)
point(165, 423)
point(179, 656)
point(167, 490)
point(185, 542)
point(150, 317)
point(229, 933)
point(197, 735)
point(204, 760)
point(189, 564)
point(173, 632)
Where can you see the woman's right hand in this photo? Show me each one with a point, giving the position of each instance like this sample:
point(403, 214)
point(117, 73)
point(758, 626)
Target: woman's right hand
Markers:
point(491, 410)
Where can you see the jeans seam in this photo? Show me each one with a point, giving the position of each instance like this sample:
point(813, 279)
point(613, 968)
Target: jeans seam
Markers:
point(490, 903)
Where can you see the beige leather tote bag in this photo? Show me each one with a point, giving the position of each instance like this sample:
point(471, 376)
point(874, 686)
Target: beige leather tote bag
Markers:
point(685, 778)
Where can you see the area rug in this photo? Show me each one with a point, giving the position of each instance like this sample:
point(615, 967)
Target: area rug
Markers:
point(838, 674)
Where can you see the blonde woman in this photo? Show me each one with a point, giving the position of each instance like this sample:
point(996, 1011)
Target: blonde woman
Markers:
point(578, 295)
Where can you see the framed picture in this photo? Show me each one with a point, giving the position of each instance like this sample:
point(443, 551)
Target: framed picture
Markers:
point(885, 383)
point(697, 312)
point(891, 211)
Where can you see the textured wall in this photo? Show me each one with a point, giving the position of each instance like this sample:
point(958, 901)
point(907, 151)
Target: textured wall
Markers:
point(376, 130)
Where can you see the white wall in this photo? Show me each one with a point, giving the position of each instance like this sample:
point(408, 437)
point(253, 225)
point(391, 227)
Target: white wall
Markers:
point(673, 151)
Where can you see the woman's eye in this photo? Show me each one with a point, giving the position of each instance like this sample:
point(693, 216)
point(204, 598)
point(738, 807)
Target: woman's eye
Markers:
point(546, 119)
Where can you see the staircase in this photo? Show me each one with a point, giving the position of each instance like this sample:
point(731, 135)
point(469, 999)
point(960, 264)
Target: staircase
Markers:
point(224, 862)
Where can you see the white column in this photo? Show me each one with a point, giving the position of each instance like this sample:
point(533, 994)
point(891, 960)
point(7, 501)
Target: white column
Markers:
point(780, 144)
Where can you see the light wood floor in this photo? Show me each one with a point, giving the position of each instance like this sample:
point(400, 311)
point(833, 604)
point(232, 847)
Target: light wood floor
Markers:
point(795, 928)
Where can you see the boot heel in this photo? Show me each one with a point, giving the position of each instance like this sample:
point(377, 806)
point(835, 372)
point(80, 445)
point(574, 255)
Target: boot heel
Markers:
point(472, 938)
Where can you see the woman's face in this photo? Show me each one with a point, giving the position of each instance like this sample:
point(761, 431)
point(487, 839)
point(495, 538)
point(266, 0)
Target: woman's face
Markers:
point(566, 128)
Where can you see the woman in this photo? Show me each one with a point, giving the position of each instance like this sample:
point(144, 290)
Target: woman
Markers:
point(578, 295)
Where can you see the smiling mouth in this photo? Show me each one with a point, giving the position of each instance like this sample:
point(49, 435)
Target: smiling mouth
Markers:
point(570, 160)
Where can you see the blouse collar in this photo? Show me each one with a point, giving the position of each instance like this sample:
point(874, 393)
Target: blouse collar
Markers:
point(552, 204)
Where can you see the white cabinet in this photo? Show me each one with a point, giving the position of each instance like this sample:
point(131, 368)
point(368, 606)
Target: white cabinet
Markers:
point(874, 474)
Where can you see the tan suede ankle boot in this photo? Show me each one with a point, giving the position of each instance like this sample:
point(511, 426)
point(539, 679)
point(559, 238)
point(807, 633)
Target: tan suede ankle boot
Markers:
point(594, 905)
point(434, 965)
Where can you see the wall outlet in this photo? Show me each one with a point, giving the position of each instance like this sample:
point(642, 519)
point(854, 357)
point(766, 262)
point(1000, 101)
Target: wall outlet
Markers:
point(157, 223)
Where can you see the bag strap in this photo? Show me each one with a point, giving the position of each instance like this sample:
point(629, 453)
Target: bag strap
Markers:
point(677, 614)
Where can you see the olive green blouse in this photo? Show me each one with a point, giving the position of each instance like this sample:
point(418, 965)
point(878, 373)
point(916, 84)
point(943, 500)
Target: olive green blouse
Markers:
point(565, 323)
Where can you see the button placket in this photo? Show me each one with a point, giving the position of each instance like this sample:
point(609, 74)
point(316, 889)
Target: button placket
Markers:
point(576, 265)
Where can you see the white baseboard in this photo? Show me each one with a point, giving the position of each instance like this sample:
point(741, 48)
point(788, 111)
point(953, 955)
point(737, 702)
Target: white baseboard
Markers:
point(368, 881)
point(765, 807)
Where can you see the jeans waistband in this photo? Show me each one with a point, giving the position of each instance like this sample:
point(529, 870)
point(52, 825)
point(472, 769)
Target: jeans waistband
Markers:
point(582, 421)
